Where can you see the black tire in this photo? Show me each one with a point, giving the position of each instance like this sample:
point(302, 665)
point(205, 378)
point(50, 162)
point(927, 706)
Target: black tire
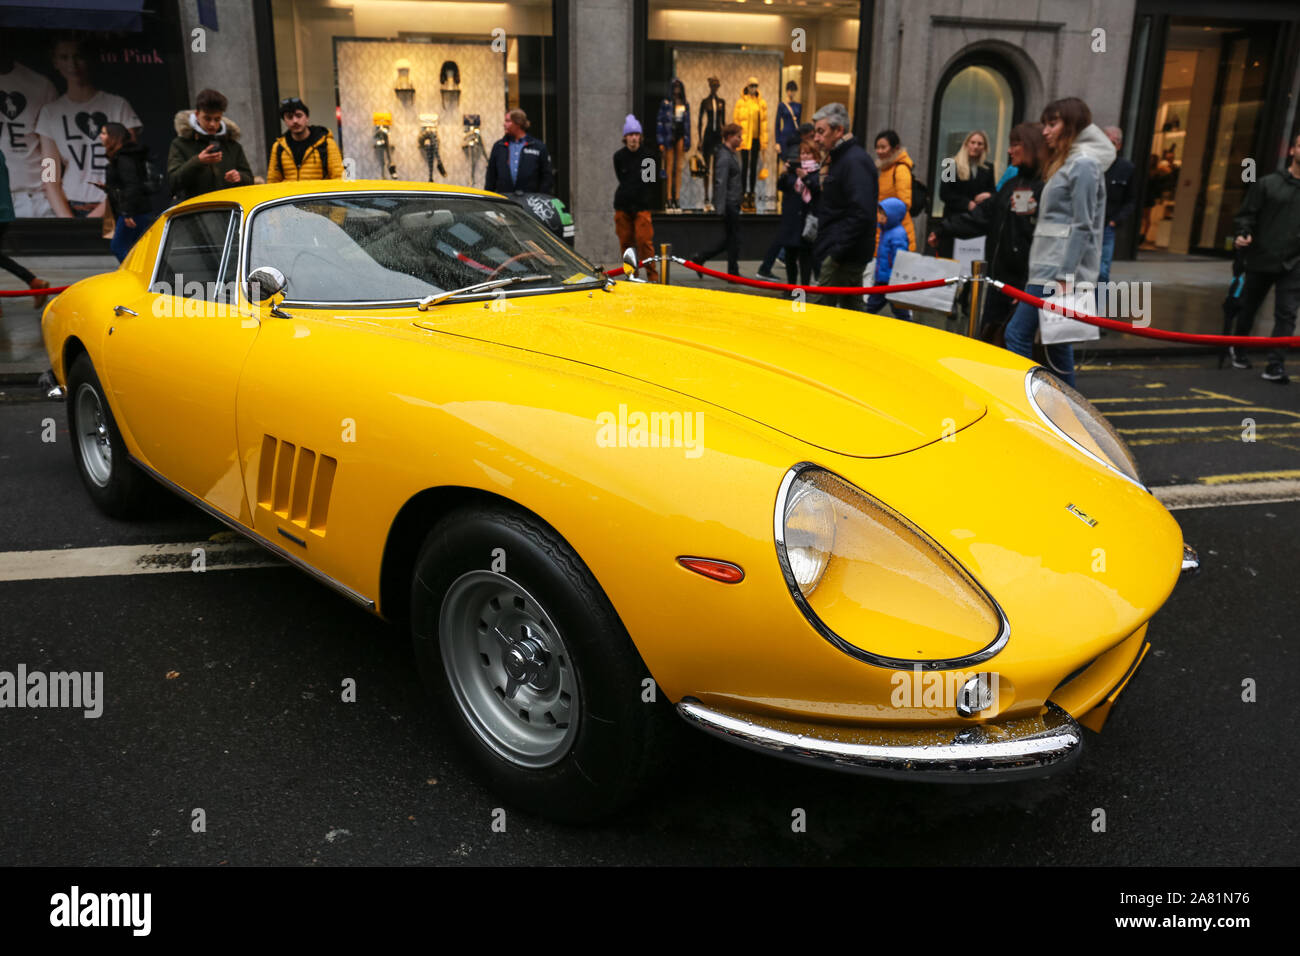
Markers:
point(600, 758)
point(116, 486)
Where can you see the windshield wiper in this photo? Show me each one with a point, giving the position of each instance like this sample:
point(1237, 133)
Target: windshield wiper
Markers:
point(428, 300)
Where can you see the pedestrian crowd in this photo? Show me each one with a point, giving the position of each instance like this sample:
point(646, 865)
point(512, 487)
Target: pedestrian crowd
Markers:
point(1049, 221)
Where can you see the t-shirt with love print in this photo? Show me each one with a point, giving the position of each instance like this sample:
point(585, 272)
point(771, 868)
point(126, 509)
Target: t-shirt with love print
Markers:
point(75, 127)
point(22, 94)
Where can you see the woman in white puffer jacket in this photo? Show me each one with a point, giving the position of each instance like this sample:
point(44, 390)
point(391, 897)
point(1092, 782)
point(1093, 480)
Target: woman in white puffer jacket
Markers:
point(1071, 219)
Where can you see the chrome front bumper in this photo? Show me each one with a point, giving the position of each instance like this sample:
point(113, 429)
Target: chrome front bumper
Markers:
point(1023, 747)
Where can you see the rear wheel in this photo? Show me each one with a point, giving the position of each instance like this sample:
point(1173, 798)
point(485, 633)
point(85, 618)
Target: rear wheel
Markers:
point(542, 682)
point(115, 484)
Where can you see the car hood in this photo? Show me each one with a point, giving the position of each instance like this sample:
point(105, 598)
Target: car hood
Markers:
point(844, 381)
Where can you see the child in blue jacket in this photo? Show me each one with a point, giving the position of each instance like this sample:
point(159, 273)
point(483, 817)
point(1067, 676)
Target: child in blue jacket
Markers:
point(892, 237)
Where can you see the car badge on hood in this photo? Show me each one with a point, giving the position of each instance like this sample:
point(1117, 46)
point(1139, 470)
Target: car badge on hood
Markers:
point(1083, 516)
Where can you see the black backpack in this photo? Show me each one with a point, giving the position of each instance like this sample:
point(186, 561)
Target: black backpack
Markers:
point(152, 177)
point(920, 193)
point(920, 197)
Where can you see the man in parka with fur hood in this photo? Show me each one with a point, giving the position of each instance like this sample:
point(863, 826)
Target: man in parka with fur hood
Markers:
point(206, 155)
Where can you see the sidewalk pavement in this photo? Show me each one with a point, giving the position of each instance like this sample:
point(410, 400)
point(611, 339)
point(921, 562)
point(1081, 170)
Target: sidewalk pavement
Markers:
point(1186, 294)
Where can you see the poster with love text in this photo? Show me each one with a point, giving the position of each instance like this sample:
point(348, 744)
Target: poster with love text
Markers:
point(58, 88)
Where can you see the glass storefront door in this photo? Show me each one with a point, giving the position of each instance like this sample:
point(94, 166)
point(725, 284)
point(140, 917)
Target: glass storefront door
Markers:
point(1207, 121)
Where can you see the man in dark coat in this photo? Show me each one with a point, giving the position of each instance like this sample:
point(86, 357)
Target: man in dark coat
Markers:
point(1268, 228)
point(1121, 199)
point(519, 163)
point(846, 228)
point(726, 192)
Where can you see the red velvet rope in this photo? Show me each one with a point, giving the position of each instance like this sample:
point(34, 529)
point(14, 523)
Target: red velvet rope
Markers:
point(824, 289)
point(1245, 341)
point(10, 293)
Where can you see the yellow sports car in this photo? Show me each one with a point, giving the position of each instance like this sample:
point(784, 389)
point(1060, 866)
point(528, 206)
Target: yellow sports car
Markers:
point(832, 537)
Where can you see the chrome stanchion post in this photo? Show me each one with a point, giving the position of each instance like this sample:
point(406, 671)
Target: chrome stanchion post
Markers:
point(665, 261)
point(976, 296)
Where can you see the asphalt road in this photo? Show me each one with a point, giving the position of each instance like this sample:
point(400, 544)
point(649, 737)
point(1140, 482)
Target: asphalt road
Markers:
point(223, 693)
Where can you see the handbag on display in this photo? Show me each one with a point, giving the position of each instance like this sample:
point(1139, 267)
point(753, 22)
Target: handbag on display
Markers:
point(699, 169)
point(1057, 329)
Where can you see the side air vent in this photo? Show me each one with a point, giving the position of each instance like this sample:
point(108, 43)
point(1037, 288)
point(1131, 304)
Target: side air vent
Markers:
point(294, 483)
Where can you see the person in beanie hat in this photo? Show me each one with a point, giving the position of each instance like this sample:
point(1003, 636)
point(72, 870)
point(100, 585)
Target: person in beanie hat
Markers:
point(636, 167)
point(304, 151)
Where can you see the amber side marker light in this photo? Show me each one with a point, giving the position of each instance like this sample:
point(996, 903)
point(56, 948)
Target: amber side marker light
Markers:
point(723, 571)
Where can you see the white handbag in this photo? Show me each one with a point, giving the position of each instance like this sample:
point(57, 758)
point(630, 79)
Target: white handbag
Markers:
point(1057, 329)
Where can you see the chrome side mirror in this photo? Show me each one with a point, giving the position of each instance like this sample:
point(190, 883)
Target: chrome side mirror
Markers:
point(630, 265)
point(263, 283)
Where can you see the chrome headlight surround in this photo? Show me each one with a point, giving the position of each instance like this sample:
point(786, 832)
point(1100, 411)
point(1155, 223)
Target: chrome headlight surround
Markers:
point(1096, 424)
point(800, 595)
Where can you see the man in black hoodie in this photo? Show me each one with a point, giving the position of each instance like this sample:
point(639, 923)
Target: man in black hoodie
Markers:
point(1268, 228)
point(846, 228)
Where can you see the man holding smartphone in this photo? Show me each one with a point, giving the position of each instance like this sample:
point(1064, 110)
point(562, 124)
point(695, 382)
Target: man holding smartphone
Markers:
point(206, 155)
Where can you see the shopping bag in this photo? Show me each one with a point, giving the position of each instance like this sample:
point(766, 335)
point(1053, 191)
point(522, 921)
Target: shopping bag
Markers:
point(1057, 329)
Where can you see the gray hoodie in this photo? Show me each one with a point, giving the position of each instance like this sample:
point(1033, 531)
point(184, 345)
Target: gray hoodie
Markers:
point(1072, 213)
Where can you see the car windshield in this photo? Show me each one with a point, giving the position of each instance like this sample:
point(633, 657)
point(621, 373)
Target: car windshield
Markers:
point(395, 248)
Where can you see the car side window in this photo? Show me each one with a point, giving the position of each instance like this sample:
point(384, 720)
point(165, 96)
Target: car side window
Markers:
point(198, 256)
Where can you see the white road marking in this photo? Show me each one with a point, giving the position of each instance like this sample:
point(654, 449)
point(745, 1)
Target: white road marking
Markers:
point(132, 559)
point(1182, 497)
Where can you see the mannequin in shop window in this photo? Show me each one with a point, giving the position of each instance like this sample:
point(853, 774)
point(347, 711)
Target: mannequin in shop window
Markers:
point(713, 116)
point(673, 133)
point(787, 124)
point(751, 116)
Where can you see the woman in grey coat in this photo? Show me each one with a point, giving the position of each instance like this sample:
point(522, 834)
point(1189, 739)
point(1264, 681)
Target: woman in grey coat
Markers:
point(1071, 219)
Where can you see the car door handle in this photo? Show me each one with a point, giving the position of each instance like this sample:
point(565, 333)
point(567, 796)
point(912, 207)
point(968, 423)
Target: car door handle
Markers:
point(123, 310)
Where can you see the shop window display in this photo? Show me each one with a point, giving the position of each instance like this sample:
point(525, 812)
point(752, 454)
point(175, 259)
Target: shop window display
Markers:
point(765, 70)
point(421, 86)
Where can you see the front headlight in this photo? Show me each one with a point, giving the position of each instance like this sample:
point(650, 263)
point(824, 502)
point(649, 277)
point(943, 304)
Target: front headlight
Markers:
point(1072, 417)
point(874, 584)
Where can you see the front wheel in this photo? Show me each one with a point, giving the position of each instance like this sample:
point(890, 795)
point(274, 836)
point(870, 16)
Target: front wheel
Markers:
point(116, 485)
point(542, 682)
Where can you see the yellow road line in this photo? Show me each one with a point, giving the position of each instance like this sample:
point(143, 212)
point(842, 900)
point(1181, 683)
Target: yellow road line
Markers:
point(1154, 366)
point(1149, 398)
point(1250, 476)
point(1201, 429)
point(1205, 411)
point(1219, 395)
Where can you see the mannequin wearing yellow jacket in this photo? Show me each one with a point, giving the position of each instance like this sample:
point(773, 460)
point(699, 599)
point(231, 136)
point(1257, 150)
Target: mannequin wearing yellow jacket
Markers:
point(755, 132)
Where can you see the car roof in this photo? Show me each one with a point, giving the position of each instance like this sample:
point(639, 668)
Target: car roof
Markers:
point(249, 196)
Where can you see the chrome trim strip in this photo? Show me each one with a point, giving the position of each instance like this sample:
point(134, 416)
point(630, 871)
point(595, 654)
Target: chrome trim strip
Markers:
point(172, 217)
point(253, 536)
point(878, 660)
point(231, 230)
point(389, 303)
point(1052, 426)
point(1012, 749)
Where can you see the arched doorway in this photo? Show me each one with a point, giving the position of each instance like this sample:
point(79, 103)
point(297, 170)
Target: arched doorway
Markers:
point(979, 91)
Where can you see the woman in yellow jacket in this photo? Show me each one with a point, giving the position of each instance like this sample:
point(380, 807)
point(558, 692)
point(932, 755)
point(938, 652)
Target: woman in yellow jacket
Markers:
point(751, 116)
point(896, 176)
